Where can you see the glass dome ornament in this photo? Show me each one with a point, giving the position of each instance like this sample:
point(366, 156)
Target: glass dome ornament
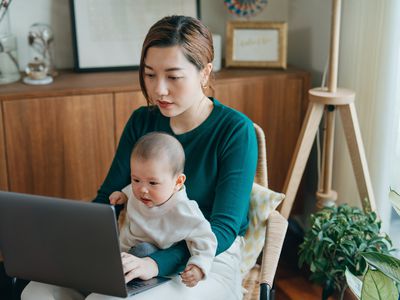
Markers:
point(245, 8)
point(41, 39)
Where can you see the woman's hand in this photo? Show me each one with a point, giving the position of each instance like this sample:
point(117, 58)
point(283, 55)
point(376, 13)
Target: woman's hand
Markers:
point(118, 198)
point(135, 267)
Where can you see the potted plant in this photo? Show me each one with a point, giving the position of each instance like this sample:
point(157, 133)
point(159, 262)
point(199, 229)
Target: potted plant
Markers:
point(335, 241)
point(382, 277)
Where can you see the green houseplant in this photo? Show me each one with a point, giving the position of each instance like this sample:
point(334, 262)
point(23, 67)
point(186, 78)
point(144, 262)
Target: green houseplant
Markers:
point(382, 277)
point(335, 242)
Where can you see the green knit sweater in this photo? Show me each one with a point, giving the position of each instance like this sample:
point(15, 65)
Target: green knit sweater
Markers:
point(221, 158)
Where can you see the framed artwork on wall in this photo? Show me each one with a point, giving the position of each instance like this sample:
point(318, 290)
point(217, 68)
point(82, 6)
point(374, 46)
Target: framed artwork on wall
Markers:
point(256, 44)
point(108, 35)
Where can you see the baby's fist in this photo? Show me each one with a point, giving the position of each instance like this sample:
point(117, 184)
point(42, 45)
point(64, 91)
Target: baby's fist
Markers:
point(117, 198)
point(192, 275)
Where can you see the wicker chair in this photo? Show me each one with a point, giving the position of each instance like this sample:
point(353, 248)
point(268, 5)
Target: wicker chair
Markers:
point(259, 280)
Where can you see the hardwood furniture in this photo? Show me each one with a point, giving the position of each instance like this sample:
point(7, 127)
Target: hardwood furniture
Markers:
point(59, 139)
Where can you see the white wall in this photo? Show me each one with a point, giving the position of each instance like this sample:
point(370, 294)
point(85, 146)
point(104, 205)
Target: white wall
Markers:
point(309, 34)
point(24, 13)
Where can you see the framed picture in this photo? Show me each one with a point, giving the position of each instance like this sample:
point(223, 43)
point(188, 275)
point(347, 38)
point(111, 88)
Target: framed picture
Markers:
point(256, 44)
point(108, 35)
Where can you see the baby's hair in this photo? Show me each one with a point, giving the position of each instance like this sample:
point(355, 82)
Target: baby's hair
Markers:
point(157, 144)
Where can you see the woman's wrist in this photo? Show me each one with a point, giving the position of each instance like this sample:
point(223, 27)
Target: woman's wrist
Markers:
point(152, 266)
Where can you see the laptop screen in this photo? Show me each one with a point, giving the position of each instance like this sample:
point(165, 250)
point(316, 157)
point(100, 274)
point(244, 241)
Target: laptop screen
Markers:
point(62, 242)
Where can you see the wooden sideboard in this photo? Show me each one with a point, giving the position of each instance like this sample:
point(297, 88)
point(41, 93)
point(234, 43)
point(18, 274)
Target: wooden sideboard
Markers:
point(59, 139)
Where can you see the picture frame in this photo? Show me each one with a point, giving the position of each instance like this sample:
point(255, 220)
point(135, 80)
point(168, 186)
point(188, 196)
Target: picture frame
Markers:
point(108, 35)
point(256, 44)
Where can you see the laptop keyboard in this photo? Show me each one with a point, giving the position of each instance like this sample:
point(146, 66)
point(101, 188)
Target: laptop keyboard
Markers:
point(137, 285)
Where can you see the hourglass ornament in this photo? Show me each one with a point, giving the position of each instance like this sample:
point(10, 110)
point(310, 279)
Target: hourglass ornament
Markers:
point(245, 8)
point(41, 68)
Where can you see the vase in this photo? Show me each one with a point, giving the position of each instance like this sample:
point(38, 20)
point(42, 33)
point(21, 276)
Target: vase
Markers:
point(9, 69)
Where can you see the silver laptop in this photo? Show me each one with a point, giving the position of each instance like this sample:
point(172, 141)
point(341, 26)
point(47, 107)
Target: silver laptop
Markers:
point(64, 242)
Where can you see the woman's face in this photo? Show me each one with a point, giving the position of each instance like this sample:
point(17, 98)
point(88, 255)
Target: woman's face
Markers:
point(172, 82)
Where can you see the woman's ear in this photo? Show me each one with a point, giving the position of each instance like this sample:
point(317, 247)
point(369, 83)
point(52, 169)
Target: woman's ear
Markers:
point(180, 181)
point(205, 74)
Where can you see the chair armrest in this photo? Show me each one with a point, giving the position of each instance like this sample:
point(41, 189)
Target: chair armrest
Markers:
point(274, 237)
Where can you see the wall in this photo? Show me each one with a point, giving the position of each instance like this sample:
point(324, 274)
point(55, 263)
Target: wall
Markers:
point(309, 34)
point(24, 13)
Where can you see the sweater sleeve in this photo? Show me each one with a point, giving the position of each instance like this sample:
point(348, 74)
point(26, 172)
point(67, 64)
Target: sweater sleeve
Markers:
point(237, 166)
point(202, 244)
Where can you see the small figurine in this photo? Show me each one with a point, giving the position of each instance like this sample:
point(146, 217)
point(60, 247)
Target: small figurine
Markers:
point(36, 72)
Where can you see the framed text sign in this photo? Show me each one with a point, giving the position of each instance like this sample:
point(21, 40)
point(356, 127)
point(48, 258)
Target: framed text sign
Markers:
point(256, 44)
point(108, 35)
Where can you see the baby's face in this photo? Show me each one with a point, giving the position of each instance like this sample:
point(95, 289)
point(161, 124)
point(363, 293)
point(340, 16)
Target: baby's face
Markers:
point(152, 180)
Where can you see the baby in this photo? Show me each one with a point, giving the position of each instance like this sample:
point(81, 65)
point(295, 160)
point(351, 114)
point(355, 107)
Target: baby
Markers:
point(159, 213)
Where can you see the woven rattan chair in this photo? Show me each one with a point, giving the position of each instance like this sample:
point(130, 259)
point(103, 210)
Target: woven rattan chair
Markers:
point(259, 280)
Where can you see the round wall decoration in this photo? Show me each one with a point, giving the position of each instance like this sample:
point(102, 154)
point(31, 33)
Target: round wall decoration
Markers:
point(245, 8)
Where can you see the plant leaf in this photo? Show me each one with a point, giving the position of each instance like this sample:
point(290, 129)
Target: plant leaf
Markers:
point(354, 283)
point(395, 198)
point(377, 286)
point(389, 265)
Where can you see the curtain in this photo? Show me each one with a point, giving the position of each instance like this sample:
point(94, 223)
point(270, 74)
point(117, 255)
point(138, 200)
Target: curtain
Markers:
point(369, 64)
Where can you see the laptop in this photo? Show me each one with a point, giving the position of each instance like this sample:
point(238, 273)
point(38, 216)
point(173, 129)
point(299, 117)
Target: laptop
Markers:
point(64, 242)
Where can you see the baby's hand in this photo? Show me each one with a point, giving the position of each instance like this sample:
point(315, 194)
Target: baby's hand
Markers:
point(118, 198)
point(192, 275)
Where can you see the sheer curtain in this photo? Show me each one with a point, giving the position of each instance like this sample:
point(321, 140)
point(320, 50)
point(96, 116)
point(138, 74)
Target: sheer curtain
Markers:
point(370, 65)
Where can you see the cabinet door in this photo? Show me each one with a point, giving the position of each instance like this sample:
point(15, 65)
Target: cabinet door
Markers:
point(59, 146)
point(125, 104)
point(276, 104)
point(3, 165)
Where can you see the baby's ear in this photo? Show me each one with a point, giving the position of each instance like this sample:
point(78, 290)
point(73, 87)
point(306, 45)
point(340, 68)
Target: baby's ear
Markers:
point(180, 181)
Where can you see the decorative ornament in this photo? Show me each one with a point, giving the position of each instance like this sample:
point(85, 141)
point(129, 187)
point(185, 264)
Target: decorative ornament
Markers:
point(41, 68)
point(245, 8)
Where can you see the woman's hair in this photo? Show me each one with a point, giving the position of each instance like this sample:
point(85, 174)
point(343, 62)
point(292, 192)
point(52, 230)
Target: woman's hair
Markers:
point(189, 33)
point(158, 145)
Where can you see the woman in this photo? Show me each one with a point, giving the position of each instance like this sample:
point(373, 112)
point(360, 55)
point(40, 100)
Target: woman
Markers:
point(221, 151)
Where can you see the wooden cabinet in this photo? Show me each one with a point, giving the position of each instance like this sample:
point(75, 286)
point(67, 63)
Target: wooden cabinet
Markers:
point(125, 104)
point(59, 140)
point(59, 146)
point(277, 104)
